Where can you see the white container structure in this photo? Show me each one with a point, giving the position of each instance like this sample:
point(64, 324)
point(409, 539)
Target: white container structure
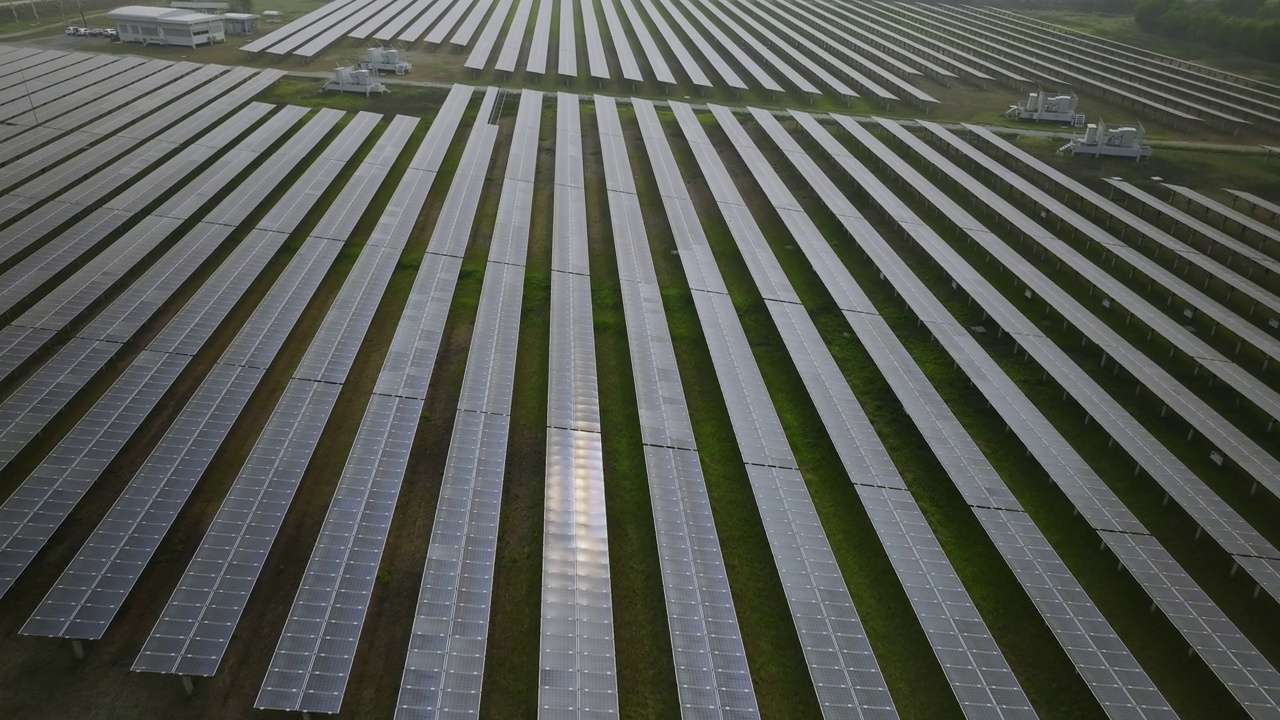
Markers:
point(1041, 107)
point(167, 26)
point(385, 60)
point(1102, 141)
point(240, 23)
point(349, 79)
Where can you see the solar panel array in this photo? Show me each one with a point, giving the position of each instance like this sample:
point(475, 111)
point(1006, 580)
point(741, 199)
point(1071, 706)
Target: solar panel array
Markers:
point(1181, 484)
point(178, 201)
point(980, 677)
point(445, 666)
point(1217, 240)
point(309, 669)
point(127, 313)
point(1070, 470)
point(1113, 675)
point(577, 676)
point(724, 40)
point(230, 559)
point(102, 574)
point(712, 671)
point(843, 667)
point(1237, 445)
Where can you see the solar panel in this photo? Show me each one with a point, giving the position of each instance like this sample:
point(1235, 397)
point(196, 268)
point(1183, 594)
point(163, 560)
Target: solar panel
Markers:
point(1097, 491)
point(1180, 70)
point(444, 667)
point(18, 103)
point(263, 491)
point(841, 663)
point(310, 666)
point(1114, 677)
point(569, 205)
point(390, 19)
point(597, 62)
point(1218, 240)
point(1247, 675)
point(418, 27)
point(1112, 69)
point(443, 670)
point(87, 596)
point(196, 321)
point(439, 138)
point(759, 48)
point(199, 620)
point(977, 671)
point(577, 676)
point(483, 47)
point(313, 32)
point(467, 28)
point(1128, 432)
point(622, 51)
point(1254, 202)
point(1209, 205)
point(262, 335)
point(1102, 660)
point(29, 517)
point(188, 446)
point(290, 29)
point(317, 44)
point(540, 43)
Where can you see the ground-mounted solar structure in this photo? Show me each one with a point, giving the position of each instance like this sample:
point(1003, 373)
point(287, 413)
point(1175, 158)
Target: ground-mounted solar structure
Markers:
point(636, 358)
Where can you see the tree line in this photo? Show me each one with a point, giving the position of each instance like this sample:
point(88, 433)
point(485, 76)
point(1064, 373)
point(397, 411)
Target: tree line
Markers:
point(1248, 27)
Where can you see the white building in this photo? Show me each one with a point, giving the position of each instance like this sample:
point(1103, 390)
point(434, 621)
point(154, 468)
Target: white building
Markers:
point(240, 23)
point(167, 26)
point(208, 7)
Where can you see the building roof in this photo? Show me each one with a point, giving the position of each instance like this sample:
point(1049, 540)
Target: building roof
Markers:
point(143, 13)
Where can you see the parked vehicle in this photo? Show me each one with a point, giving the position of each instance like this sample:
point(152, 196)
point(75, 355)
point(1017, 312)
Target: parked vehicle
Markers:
point(71, 30)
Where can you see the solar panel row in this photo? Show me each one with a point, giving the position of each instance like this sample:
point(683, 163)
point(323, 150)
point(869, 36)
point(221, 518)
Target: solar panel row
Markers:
point(1228, 108)
point(577, 674)
point(1243, 450)
point(1233, 249)
point(22, 279)
point(1112, 674)
point(979, 674)
point(102, 433)
point(1236, 86)
point(841, 664)
point(1010, 403)
point(711, 667)
point(197, 624)
point(446, 659)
